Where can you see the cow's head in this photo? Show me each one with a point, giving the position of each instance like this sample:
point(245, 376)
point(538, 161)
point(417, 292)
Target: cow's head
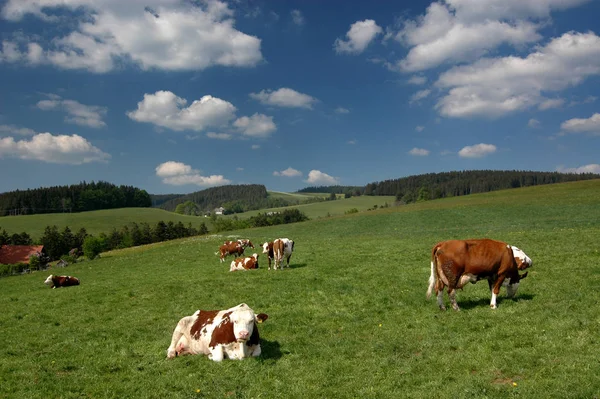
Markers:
point(265, 247)
point(49, 280)
point(244, 319)
point(250, 244)
point(523, 261)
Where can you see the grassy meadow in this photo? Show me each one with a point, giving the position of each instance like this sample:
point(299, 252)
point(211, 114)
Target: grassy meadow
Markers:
point(349, 319)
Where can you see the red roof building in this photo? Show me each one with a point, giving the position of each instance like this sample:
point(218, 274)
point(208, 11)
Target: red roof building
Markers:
point(13, 254)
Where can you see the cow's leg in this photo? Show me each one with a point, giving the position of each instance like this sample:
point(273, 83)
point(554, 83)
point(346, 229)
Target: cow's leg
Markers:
point(256, 352)
point(440, 299)
point(496, 291)
point(452, 296)
point(183, 324)
point(216, 354)
point(288, 260)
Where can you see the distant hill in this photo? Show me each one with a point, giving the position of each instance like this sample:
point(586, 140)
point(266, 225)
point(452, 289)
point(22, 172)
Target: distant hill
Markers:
point(450, 184)
point(242, 196)
point(74, 198)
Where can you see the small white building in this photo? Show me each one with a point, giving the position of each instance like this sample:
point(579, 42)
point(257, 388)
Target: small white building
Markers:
point(219, 210)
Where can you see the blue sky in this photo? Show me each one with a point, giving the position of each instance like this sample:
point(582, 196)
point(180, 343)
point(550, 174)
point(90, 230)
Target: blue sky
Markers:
point(176, 96)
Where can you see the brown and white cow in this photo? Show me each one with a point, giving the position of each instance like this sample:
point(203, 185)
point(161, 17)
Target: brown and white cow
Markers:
point(455, 263)
point(244, 242)
point(247, 263)
point(230, 248)
point(220, 334)
point(61, 281)
point(277, 250)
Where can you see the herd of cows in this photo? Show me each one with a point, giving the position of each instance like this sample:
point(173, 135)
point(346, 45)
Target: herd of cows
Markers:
point(233, 333)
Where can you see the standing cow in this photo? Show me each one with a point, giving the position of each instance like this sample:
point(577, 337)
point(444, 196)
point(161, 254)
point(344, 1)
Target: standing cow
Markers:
point(229, 248)
point(277, 250)
point(455, 263)
point(220, 334)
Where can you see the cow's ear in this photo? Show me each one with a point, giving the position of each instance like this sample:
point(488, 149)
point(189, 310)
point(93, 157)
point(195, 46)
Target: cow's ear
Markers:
point(261, 317)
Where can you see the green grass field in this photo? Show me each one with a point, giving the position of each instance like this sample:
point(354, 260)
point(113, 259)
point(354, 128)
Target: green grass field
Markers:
point(349, 319)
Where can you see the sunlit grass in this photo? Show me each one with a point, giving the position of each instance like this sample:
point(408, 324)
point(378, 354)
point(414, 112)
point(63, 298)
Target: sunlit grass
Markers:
point(348, 320)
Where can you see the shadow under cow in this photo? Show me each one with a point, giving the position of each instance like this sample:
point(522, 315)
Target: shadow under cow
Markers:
point(475, 303)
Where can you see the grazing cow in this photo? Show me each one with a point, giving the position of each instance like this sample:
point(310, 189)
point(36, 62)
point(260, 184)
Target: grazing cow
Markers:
point(247, 263)
point(244, 242)
point(232, 248)
point(277, 250)
point(455, 263)
point(230, 333)
point(61, 281)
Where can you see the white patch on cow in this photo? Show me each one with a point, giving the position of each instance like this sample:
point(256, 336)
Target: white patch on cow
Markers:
point(243, 323)
point(431, 281)
point(466, 278)
point(440, 300)
point(511, 289)
point(493, 302)
point(521, 257)
point(265, 248)
point(49, 280)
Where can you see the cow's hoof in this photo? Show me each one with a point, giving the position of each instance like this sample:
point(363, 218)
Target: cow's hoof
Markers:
point(442, 308)
point(171, 354)
point(493, 307)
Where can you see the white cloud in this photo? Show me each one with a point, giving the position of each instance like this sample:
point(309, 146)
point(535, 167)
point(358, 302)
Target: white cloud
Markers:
point(420, 128)
point(352, 142)
point(219, 136)
point(255, 146)
point(417, 80)
point(285, 97)
point(168, 35)
point(360, 35)
point(77, 113)
point(551, 103)
point(494, 87)
point(61, 149)
point(533, 123)
point(258, 125)
point(418, 96)
point(297, 17)
point(21, 131)
point(421, 152)
point(454, 31)
point(591, 168)
point(289, 172)
point(179, 174)
point(581, 125)
point(477, 150)
point(342, 110)
point(318, 177)
point(165, 109)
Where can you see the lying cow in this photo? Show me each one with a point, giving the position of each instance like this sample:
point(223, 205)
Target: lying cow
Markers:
point(277, 250)
point(230, 248)
point(247, 263)
point(61, 281)
point(230, 333)
point(455, 263)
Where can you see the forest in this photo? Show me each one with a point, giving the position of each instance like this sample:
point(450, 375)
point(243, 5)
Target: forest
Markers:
point(74, 198)
point(451, 184)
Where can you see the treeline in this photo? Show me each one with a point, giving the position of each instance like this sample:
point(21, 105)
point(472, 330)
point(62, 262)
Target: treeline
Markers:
point(261, 220)
point(234, 198)
point(452, 184)
point(74, 198)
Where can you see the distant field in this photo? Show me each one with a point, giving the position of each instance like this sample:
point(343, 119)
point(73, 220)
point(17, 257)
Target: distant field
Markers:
point(331, 208)
point(349, 319)
point(95, 222)
point(296, 196)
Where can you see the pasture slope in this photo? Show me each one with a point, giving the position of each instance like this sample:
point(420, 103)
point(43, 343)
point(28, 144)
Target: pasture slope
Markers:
point(349, 319)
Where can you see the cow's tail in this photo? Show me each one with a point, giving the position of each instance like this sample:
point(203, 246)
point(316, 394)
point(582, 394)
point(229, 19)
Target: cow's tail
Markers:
point(433, 276)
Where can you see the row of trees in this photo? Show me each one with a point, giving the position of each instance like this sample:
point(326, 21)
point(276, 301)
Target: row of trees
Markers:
point(75, 198)
point(450, 184)
point(260, 220)
point(15, 239)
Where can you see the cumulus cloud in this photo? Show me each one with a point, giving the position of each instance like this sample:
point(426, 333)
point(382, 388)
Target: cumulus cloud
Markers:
point(285, 97)
point(418, 96)
point(497, 86)
point(591, 168)
point(77, 113)
point(165, 109)
point(297, 17)
point(477, 150)
point(21, 131)
point(289, 172)
point(581, 125)
point(102, 35)
point(318, 177)
point(551, 103)
point(60, 149)
point(454, 31)
point(360, 35)
point(179, 174)
point(417, 80)
point(257, 125)
point(421, 152)
point(533, 123)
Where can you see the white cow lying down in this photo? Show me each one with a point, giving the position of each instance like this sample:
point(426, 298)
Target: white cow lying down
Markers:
point(230, 333)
